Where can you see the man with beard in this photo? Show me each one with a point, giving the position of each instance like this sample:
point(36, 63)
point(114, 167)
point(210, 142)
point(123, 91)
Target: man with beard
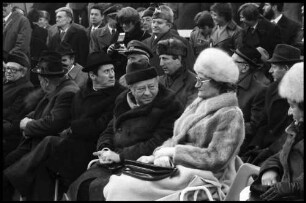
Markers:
point(290, 30)
point(258, 31)
point(75, 72)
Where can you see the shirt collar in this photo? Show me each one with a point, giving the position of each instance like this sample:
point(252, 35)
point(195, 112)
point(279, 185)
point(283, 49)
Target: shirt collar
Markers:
point(131, 100)
point(110, 29)
point(255, 25)
point(7, 16)
point(277, 19)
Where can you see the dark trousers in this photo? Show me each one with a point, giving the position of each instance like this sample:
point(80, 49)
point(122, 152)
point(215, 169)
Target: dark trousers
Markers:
point(30, 173)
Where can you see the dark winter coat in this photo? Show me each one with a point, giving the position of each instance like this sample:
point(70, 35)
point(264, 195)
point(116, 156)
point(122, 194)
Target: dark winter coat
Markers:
point(266, 35)
point(275, 120)
point(289, 162)
point(69, 154)
point(132, 133)
point(17, 34)
point(198, 41)
point(38, 42)
point(14, 94)
point(52, 114)
point(251, 99)
point(290, 30)
point(183, 85)
point(136, 132)
point(230, 39)
point(75, 36)
point(152, 44)
point(100, 39)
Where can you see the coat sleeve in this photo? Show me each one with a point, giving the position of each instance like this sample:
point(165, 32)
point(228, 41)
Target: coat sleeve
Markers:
point(272, 163)
point(162, 132)
point(23, 37)
point(106, 137)
point(226, 138)
point(57, 120)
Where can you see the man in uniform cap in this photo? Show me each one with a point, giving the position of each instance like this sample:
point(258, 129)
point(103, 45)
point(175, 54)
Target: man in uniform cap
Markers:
point(16, 87)
point(74, 69)
point(68, 154)
point(162, 21)
point(145, 103)
point(172, 53)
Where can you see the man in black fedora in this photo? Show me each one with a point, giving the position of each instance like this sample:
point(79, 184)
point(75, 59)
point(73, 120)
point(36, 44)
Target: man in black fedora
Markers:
point(67, 155)
point(250, 91)
point(74, 69)
point(271, 133)
point(52, 114)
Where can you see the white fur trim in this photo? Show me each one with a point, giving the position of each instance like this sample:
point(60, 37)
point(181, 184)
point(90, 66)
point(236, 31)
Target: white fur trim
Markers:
point(218, 65)
point(292, 84)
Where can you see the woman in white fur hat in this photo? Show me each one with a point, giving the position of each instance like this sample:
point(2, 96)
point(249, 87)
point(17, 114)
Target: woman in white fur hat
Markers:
point(282, 175)
point(206, 138)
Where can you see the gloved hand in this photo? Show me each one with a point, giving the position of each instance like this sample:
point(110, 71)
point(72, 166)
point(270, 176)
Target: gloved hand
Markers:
point(262, 156)
point(281, 189)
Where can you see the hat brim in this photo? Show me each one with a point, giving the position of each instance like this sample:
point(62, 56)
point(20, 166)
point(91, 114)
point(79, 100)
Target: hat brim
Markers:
point(38, 71)
point(129, 52)
point(277, 60)
point(246, 58)
point(94, 66)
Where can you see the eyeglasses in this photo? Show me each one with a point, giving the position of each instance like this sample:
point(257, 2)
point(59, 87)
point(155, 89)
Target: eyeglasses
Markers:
point(141, 90)
point(199, 80)
point(11, 69)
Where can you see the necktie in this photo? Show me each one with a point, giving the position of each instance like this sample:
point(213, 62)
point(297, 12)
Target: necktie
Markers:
point(62, 33)
point(113, 32)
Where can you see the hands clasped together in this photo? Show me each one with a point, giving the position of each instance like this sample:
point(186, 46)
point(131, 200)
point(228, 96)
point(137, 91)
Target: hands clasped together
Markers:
point(161, 157)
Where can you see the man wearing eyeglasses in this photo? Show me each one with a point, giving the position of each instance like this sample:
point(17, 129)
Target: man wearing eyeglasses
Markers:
point(15, 88)
point(172, 53)
point(250, 92)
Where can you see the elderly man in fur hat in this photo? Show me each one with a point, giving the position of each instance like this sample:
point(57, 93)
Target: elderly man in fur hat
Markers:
point(16, 87)
point(172, 53)
point(250, 91)
point(162, 22)
point(281, 176)
point(270, 135)
point(68, 155)
point(52, 114)
point(139, 125)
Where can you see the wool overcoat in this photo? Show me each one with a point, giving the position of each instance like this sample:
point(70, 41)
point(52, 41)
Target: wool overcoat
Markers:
point(75, 36)
point(17, 34)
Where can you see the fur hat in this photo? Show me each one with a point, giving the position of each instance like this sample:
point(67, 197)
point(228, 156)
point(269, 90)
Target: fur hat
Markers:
point(20, 58)
point(139, 71)
point(292, 84)
point(164, 12)
point(217, 65)
point(171, 46)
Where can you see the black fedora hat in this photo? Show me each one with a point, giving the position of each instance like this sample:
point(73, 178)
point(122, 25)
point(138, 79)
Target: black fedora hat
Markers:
point(250, 54)
point(65, 49)
point(284, 53)
point(96, 59)
point(50, 64)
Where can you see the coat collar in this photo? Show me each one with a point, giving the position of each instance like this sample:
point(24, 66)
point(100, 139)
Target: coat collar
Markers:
point(245, 83)
point(231, 26)
point(61, 86)
point(20, 81)
point(75, 71)
point(179, 81)
point(10, 20)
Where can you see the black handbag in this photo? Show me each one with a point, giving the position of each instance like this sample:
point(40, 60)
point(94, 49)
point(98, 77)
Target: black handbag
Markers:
point(148, 172)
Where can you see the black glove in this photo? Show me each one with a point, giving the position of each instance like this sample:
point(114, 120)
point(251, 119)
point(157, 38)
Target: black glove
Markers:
point(262, 156)
point(281, 189)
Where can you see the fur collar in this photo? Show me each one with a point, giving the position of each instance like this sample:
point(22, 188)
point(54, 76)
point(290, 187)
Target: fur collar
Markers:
point(123, 112)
